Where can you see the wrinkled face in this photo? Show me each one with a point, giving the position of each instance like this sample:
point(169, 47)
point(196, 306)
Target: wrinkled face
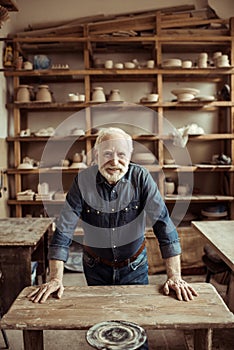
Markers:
point(114, 154)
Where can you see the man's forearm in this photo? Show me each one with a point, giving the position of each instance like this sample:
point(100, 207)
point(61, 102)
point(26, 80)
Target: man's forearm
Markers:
point(56, 269)
point(173, 266)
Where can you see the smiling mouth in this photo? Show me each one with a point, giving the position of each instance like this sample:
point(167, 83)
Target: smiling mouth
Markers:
point(113, 170)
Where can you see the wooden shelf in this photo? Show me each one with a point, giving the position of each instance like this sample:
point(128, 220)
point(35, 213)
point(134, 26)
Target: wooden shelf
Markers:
point(154, 36)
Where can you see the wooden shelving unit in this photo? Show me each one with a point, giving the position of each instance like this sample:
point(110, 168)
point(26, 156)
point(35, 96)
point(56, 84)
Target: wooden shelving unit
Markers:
point(157, 35)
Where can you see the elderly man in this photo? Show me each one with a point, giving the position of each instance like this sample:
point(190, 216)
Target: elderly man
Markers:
point(112, 198)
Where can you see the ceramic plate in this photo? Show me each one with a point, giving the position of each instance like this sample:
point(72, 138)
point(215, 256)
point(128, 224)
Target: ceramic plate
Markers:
point(116, 335)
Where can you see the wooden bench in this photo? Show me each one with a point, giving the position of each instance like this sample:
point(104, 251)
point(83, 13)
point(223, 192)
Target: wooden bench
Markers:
point(82, 307)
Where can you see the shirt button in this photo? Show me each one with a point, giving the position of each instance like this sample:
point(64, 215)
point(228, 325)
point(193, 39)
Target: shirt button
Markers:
point(88, 211)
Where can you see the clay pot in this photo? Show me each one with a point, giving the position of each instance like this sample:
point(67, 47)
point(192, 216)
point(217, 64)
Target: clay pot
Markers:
point(98, 94)
point(43, 94)
point(169, 186)
point(115, 95)
point(23, 93)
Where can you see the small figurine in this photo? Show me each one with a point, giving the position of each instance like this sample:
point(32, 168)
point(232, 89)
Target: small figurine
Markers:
point(8, 56)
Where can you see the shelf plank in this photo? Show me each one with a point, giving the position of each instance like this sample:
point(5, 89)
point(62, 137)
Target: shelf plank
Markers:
point(151, 168)
point(210, 71)
point(168, 199)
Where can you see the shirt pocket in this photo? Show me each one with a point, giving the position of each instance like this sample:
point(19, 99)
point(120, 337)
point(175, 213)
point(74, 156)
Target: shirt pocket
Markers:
point(94, 216)
point(130, 212)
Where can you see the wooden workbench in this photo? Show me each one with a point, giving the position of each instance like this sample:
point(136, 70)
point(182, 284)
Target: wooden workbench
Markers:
point(82, 307)
point(220, 235)
point(22, 240)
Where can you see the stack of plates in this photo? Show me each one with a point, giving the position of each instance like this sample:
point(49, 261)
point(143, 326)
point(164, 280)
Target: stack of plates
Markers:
point(218, 211)
point(27, 195)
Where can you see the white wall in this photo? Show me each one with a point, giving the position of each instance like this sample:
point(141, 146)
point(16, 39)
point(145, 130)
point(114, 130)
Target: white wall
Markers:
point(50, 11)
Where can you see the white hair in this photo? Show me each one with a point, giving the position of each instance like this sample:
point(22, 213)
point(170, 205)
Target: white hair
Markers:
point(112, 131)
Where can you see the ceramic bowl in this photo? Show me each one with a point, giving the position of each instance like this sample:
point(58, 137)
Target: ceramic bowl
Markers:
point(172, 62)
point(129, 65)
point(185, 97)
point(169, 161)
point(152, 97)
point(185, 94)
point(25, 166)
point(119, 65)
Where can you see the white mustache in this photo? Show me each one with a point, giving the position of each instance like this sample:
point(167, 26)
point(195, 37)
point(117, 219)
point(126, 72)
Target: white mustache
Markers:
point(119, 167)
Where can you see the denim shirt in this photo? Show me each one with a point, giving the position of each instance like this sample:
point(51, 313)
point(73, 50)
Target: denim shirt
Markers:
point(113, 217)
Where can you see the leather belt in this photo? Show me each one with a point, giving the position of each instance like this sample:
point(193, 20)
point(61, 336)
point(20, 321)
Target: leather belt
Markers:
point(114, 263)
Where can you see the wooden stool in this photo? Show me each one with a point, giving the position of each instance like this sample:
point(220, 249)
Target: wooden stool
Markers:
point(213, 262)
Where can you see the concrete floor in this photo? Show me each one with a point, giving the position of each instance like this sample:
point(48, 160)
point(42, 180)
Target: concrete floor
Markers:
point(159, 340)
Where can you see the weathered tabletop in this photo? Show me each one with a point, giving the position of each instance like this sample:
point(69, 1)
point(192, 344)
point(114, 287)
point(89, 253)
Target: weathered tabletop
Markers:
point(82, 307)
point(220, 235)
point(22, 231)
point(22, 240)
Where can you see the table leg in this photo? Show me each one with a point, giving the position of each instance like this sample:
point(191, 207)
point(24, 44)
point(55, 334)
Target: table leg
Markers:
point(203, 339)
point(230, 295)
point(33, 340)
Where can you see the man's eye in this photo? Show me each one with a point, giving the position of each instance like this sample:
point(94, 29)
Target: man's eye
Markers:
point(107, 154)
point(121, 155)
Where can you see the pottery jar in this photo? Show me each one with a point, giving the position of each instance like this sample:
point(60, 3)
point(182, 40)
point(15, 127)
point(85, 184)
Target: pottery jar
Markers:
point(109, 64)
point(28, 65)
point(169, 186)
point(43, 94)
point(23, 93)
point(98, 94)
point(115, 95)
point(19, 63)
point(77, 158)
point(182, 190)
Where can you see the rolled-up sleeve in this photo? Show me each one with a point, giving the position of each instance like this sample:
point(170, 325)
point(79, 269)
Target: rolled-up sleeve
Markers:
point(162, 224)
point(66, 225)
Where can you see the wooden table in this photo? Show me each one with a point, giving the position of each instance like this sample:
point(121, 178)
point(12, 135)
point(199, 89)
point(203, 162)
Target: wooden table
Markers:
point(22, 240)
point(82, 307)
point(220, 235)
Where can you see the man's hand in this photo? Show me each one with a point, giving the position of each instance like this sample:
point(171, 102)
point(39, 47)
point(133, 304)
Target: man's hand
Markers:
point(183, 290)
point(41, 293)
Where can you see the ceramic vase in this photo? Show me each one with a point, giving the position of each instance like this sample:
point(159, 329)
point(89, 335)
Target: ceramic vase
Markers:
point(43, 94)
point(23, 93)
point(98, 94)
point(115, 96)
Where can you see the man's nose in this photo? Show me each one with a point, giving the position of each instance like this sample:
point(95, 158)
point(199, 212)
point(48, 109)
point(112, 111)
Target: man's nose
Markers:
point(115, 158)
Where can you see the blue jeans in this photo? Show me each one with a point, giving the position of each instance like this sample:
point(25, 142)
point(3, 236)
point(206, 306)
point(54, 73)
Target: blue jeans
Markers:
point(98, 274)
